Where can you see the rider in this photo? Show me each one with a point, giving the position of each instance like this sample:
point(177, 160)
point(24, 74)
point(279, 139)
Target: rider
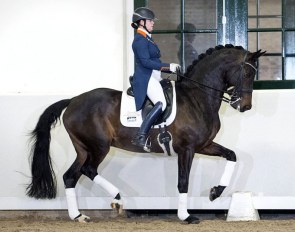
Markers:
point(147, 76)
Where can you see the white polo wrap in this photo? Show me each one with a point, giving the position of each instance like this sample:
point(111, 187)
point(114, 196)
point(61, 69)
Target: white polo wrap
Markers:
point(182, 207)
point(110, 188)
point(72, 203)
point(227, 174)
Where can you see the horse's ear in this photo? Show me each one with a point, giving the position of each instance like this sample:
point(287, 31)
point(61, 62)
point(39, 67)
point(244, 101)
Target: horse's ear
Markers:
point(256, 55)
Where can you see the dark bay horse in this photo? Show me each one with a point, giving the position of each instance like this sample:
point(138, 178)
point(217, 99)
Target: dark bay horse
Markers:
point(92, 122)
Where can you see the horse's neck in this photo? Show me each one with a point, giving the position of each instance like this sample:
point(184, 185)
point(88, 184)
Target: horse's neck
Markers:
point(200, 98)
point(206, 86)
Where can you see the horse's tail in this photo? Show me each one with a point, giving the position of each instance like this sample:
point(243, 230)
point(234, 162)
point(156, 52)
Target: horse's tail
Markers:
point(43, 183)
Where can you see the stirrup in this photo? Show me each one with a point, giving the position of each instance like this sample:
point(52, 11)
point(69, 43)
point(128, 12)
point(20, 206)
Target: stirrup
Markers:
point(148, 144)
point(143, 142)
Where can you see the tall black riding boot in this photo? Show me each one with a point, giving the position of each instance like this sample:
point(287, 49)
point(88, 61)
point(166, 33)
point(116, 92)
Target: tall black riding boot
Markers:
point(141, 136)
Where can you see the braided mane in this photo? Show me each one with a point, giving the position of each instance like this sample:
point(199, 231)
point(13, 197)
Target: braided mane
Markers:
point(209, 52)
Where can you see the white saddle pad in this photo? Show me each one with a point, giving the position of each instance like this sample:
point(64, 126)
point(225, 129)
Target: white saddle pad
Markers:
point(129, 117)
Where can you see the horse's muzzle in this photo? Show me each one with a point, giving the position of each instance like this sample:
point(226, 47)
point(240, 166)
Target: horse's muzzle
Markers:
point(243, 103)
point(245, 108)
point(240, 107)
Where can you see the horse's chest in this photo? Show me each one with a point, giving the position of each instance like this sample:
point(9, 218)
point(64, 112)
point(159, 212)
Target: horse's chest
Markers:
point(208, 128)
point(213, 129)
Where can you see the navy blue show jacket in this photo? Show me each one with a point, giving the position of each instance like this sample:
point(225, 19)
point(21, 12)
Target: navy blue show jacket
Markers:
point(147, 58)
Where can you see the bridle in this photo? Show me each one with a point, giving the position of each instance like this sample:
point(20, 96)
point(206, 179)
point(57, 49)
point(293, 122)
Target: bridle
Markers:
point(235, 93)
point(239, 89)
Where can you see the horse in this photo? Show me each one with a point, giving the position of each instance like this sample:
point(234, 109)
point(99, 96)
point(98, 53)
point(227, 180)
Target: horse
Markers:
point(92, 121)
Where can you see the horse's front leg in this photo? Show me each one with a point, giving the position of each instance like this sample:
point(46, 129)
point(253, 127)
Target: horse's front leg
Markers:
point(215, 149)
point(185, 160)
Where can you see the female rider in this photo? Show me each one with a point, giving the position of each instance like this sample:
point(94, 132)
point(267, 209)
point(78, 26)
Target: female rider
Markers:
point(147, 76)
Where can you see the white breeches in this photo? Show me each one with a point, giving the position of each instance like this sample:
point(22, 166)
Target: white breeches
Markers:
point(154, 90)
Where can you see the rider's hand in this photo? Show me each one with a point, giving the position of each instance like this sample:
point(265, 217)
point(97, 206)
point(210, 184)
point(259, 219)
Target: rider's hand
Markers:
point(174, 67)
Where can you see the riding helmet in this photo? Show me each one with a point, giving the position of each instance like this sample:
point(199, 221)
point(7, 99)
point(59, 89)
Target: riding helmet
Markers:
point(142, 13)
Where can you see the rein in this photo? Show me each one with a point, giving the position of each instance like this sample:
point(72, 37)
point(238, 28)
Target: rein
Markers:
point(230, 93)
point(198, 84)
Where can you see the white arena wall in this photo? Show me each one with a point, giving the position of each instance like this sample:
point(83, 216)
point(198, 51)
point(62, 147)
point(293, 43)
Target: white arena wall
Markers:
point(51, 50)
point(263, 139)
point(64, 46)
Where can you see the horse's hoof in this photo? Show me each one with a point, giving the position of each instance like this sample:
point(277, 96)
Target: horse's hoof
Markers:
point(118, 207)
point(82, 219)
point(215, 192)
point(192, 220)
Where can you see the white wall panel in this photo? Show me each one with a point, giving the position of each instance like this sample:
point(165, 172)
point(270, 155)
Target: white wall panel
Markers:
point(61, 46)
point(262, 139)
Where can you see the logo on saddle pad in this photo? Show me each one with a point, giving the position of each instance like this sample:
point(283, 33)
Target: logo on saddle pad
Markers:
point(129, 117)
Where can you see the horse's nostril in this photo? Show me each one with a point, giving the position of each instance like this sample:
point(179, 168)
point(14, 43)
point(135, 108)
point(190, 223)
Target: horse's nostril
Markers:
point(247, 107)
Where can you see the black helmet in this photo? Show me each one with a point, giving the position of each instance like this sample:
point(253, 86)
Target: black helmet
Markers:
point(142, 13)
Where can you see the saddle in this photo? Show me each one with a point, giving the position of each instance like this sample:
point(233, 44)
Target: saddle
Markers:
point(148, 105)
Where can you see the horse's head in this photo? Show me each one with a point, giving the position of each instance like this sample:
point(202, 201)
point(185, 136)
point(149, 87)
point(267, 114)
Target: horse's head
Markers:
point(225, 69)
point(240, 81)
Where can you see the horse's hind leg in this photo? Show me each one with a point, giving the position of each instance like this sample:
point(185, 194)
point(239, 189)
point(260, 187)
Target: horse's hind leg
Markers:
point(71, 178)
point(215, 149)
point(86, 164)
point(89, 169)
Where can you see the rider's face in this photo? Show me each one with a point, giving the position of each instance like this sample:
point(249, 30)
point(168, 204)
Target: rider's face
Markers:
point(149, 24)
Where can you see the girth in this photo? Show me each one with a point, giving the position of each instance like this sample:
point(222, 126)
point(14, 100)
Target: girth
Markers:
point(148, 105)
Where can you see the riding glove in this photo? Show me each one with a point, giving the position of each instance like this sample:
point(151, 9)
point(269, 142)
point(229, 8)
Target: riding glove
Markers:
point(174, 67)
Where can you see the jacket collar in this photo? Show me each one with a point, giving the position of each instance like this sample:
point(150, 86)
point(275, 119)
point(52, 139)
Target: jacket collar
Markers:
point(143, 32)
